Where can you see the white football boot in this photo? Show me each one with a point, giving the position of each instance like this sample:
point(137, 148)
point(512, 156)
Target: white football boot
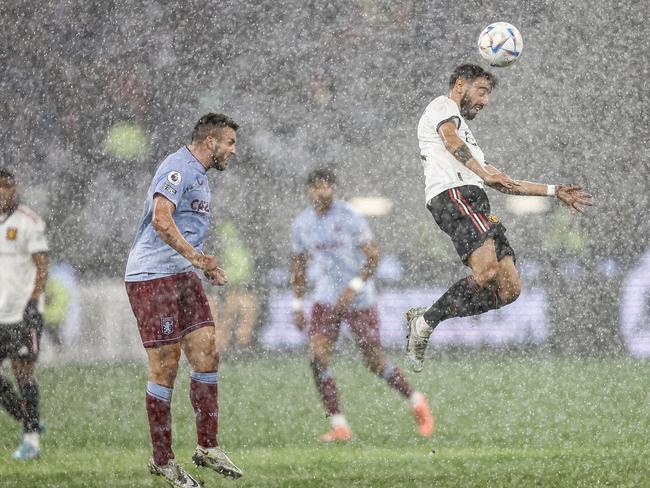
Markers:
point(216, 459)
point(417, 338)
point(174, 474)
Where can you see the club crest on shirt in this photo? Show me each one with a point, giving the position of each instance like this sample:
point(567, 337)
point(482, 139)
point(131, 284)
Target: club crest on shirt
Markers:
point(12, 232)
point(167, 325)
point(494, 219)
point(174, 177)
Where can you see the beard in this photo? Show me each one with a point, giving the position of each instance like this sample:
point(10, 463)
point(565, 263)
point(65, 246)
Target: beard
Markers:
point(465, 108)
point(220, 164)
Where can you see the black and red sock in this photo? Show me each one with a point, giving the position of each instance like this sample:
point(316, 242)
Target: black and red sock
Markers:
point(465, 297)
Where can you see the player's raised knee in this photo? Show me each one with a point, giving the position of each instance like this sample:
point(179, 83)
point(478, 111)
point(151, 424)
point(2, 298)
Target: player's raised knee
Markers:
point(510, 293)
point(487, 274)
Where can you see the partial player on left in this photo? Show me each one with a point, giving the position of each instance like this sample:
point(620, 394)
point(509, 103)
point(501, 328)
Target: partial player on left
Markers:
point(23, 274)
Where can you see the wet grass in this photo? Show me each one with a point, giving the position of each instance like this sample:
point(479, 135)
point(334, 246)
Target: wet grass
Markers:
point(504, 421)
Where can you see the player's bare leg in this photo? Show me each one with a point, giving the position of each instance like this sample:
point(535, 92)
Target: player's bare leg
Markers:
point(200, 350)
point(507, 281)
point(479, 292)
point(320, 347)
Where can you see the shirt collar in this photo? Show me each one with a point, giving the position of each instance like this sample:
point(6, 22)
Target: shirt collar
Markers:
point(195, 162)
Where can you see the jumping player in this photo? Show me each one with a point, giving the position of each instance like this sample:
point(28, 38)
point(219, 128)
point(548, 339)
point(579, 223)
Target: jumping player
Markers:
point(456, 173)
point(23, 275)
point(344, 255)
point(168, 300)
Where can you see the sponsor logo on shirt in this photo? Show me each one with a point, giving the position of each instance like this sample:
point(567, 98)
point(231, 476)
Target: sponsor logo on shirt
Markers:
point(167, 325)
point(200, 206)
point(328, 245)
point(174, 178)
point(12, 232)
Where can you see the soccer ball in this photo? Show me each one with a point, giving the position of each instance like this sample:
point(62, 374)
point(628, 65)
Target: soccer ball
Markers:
point(500, 44)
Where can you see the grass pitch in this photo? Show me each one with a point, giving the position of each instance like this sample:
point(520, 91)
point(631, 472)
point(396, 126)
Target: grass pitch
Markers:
point(503, 421)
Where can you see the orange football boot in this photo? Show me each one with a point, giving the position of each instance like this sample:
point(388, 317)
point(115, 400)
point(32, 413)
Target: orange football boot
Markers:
point(425, 420)
point(338, 433)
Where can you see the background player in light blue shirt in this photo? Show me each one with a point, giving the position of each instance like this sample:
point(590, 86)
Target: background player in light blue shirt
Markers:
point(343, 255)
point(168, 299)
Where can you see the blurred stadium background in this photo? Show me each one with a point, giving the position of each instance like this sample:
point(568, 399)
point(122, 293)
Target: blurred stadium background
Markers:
point(95, 93)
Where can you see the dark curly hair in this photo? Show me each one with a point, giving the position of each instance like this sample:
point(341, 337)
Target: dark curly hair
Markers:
point(470, 72)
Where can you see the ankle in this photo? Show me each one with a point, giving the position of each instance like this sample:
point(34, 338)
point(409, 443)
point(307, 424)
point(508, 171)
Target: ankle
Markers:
point(33, 439)
point(339, 420)
point(416, 399)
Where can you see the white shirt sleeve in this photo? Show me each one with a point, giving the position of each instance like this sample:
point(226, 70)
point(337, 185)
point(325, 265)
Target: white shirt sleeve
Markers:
point(36, 239)
point(442, 110)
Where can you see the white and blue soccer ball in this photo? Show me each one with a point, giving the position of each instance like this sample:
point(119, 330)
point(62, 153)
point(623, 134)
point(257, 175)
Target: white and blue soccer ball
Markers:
point(500, 44)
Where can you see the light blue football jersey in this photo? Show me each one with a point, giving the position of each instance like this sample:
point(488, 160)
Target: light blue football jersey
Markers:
point(332, 241)
point(182, 179)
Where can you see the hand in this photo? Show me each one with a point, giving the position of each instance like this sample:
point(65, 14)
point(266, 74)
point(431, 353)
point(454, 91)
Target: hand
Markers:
point(500, 179)
point(573, 196)
point(343, 302)
point(210, 267)
point(31, 316)
point(299, 319)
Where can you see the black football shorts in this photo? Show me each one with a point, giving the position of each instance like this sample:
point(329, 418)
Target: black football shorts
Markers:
point(19, 341)
point(463, 213)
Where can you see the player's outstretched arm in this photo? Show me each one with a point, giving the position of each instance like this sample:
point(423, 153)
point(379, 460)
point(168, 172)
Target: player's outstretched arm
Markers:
point(163, 222)
point(457, 147)
point(571, 195)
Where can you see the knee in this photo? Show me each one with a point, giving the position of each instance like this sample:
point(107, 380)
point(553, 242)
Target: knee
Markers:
point(487, 274)
point(207, 361)
point(163, 377)
point(510, 292)
point(163, 372)
point(375, 363)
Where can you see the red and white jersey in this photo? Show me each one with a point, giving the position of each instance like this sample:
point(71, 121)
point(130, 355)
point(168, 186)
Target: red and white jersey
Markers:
point(22, 233)
point(441, 169)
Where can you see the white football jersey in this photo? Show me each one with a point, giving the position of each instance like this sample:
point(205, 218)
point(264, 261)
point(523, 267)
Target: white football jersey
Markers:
point(441, 169)
point(22, 234)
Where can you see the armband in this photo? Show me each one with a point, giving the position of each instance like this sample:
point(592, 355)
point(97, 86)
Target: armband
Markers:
point(297, 304)
point(550, 190)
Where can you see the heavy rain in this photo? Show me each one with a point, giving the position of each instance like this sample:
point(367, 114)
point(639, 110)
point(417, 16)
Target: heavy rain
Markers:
point(550, 390)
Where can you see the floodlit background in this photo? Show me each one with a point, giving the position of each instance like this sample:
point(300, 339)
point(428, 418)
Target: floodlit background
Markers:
point(94, 94)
